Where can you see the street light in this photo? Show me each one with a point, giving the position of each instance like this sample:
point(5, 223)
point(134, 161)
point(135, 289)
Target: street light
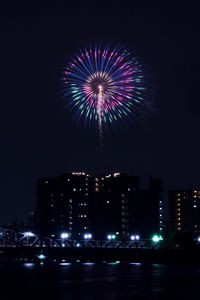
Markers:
point(28, 234)
point(134, 237)
point(111, 236)
point(87, 236)
point(64, 235)
point(157, 238)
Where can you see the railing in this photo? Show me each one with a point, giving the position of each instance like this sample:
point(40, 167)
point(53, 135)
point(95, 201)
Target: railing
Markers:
point(13, 238)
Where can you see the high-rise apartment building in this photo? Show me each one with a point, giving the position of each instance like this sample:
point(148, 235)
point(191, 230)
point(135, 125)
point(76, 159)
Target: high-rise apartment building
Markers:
point(146, 210)
point(111, 204)
point(65, 204)
point(184, 211)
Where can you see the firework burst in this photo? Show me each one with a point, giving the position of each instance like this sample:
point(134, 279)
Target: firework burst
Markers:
point(103, 86)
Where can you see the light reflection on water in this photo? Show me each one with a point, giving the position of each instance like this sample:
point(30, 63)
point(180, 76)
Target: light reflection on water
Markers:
point(136, 264)
point(29, 265)
point(66, 281)
point(65, 264)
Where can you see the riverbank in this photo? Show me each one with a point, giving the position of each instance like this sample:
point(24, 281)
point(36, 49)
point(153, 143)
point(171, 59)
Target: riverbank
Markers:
point(160, 256)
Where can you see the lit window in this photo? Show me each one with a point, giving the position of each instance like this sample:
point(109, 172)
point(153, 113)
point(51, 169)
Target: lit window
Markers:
point(194, 206)
point(129, 189)
point(74, 190)
point(46, 181)
point(160, 221)
point(85, 216)
point(107, 202)
point(160, 208)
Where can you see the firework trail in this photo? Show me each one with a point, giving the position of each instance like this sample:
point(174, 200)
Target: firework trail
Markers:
point(103, 86)
point(99, 109)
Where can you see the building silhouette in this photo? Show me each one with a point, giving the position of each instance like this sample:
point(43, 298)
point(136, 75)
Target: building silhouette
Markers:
point(79, 203)
point(146, 210)
point(112, 204)
point(64, 204)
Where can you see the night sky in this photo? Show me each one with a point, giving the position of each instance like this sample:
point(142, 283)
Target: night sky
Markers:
point(40, 138)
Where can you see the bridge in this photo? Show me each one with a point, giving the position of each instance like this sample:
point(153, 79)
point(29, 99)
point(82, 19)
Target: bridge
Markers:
point(31, 247)
point(13, 238)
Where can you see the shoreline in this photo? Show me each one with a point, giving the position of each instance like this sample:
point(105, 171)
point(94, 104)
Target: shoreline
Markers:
point(189, 257)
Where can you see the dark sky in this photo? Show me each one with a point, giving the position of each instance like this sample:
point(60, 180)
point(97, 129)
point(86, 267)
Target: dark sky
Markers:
point(39, 138)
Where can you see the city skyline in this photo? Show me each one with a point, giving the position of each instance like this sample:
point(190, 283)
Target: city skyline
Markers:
point(79, 203)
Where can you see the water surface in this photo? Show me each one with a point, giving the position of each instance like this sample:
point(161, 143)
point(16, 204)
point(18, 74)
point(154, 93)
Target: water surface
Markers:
point(65, 281)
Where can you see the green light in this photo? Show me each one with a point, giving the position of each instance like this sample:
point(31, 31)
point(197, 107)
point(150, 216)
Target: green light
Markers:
point(113, 236)
point(41, 256)
point(157, 238)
